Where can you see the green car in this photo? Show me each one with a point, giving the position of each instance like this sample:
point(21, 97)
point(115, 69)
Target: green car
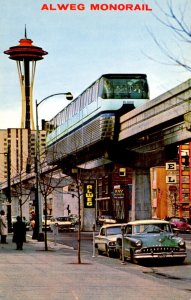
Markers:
point(150, 239)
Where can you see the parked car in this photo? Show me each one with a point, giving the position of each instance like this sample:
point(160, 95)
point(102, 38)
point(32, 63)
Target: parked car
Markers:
point(151, 239)
point(48, 221)
point(105, 241)
point(74, 219)
point(63, 223)
point(14, 219)
point(106, 219)
point(180, 224)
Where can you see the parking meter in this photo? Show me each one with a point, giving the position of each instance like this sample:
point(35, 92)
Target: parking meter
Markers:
point(122, 246)
point(93, 227)
point(54, 228)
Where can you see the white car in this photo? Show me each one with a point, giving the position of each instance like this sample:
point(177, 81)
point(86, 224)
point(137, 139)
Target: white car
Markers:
point(47, 222)
point(105, 242)
point(63, 223)
point(106, 219)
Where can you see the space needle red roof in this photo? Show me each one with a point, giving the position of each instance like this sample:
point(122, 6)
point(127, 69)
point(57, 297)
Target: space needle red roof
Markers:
point(26, 50)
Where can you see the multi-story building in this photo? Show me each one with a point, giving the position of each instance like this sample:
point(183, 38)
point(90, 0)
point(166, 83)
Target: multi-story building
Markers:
point(171, 186)
point(17, 158)
point(114, 193)
point(21, 144)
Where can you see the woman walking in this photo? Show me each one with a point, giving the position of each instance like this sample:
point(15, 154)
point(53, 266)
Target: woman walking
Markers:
point(3, 227)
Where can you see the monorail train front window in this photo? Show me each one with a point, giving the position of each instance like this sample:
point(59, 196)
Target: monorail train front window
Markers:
point(125, 88)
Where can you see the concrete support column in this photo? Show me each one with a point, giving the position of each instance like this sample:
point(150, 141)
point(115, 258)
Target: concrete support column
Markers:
point(141, 197)
point(88, 219)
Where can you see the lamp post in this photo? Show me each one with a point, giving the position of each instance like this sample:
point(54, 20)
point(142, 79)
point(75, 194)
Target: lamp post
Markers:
point(39, 233)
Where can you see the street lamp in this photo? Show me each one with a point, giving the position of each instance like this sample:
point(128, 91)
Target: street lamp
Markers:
point(39, 233)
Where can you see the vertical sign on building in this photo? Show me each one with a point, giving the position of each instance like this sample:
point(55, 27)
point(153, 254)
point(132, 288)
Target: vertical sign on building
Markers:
point(89, 195)
point(171, 172)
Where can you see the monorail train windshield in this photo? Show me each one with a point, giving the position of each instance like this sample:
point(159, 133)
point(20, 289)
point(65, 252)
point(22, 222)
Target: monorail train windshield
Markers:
point(124, 87)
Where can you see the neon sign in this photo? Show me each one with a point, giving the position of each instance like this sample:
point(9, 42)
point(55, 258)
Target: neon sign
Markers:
point(89, 196)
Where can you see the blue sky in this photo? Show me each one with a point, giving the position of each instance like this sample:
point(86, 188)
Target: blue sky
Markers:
point(83, 45)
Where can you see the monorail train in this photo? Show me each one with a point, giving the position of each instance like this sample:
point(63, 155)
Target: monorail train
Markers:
point(94, 115)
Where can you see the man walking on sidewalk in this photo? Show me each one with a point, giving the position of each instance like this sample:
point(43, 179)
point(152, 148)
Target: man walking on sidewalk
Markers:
point(19, 233)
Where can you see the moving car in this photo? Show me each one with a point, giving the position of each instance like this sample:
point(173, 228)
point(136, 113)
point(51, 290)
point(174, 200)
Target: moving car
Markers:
point(150, 239)
point(106, 219)
point(63, 223)
point(48, 218)
point(105, 241)
point(180, 224)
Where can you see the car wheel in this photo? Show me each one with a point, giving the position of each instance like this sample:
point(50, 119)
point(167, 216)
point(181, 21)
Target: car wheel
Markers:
point(180, 260)
point(107, 252)
point(99, 251)
point(132, 257)
point(117, 253)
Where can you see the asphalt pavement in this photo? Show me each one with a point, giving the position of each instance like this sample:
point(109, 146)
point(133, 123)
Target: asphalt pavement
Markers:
point(56, 275)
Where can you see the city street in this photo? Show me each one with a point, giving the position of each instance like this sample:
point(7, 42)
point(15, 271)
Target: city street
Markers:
point(56, 275)
point(178, 276)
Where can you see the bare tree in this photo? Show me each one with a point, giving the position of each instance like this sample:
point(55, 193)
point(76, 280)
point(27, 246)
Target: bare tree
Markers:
point(49, 181)
point(176, 19)
point(21, 189)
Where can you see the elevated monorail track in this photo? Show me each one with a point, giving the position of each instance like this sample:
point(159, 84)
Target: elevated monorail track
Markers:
point(147, 135)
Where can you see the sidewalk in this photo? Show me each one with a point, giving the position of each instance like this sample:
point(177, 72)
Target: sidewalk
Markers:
point(55, 275)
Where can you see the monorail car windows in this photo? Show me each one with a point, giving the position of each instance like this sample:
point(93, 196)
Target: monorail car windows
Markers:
point(82, 101)
point(108, 90)
point(72, 107)
point(76, 104)
point(59, 119)
point(88, 97)
point(121, 92)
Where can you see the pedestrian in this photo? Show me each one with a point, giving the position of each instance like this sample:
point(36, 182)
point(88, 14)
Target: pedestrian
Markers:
point(19, 233)
point(3, 227)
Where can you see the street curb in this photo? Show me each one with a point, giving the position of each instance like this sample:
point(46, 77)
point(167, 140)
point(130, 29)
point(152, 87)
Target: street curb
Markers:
point(51, 245)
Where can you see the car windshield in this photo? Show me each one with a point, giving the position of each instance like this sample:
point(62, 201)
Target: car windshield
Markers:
point(114, 230)
point(125, 88)
point(151, 228)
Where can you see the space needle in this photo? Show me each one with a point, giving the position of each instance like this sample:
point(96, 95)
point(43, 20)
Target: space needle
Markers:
point(26, 55)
